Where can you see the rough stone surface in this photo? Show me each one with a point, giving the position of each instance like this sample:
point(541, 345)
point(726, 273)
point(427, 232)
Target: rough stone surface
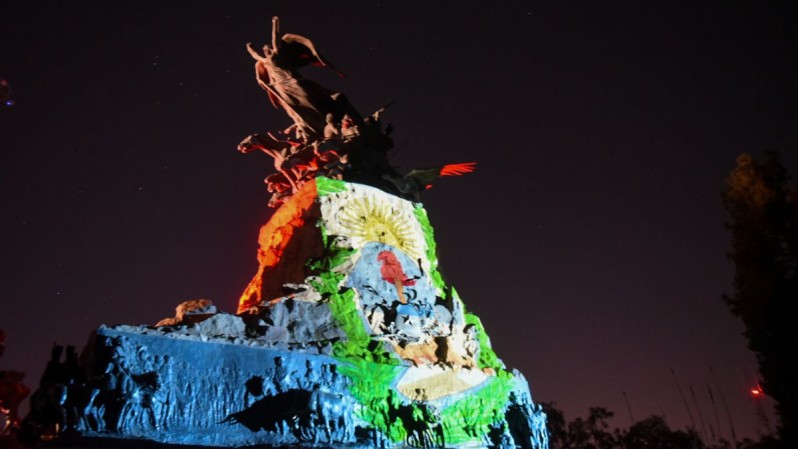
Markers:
point(192, 311)
point(357, 342)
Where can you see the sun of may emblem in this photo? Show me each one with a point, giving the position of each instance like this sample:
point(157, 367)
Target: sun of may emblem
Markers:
point(366, 219)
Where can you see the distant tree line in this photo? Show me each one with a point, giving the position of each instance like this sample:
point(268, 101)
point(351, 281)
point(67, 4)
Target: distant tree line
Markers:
point(594, 432)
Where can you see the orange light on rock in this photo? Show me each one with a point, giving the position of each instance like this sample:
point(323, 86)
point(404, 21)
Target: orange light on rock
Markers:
point(274, 239)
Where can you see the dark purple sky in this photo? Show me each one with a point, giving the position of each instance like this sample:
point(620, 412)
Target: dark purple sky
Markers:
point(590, 240)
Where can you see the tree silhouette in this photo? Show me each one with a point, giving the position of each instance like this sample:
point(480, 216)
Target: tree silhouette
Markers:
point(654, 433)
point(556, 425)
point(594, 432)
point(764, 230)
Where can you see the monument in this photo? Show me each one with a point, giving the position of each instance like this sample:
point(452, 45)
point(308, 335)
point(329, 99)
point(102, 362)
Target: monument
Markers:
point(346, 336)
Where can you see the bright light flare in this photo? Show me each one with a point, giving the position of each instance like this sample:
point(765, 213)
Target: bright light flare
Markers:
point(458, 169)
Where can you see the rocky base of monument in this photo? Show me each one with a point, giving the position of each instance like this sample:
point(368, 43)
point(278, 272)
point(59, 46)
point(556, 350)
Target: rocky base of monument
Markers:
point(209, 384)
point(347, 336)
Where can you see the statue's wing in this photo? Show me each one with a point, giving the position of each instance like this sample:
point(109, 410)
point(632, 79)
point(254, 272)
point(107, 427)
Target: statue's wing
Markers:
point(307, 50)
point(458, 169)
point(425, 176)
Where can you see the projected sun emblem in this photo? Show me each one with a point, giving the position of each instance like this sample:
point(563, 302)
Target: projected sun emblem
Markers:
point(372, 221)
point(361, 214)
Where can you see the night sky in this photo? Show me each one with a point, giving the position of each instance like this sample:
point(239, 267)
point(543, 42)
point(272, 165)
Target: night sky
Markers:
point(590, 239)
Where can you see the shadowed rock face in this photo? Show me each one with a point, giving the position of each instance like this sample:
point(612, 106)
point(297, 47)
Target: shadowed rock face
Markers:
point(273, 412)
point(348, 336)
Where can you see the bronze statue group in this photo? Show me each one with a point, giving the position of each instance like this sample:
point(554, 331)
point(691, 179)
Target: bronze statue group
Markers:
point(328, 137)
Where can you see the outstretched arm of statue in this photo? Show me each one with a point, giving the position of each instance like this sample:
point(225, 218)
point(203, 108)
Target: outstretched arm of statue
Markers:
point(275, 33)
point(254, 53)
